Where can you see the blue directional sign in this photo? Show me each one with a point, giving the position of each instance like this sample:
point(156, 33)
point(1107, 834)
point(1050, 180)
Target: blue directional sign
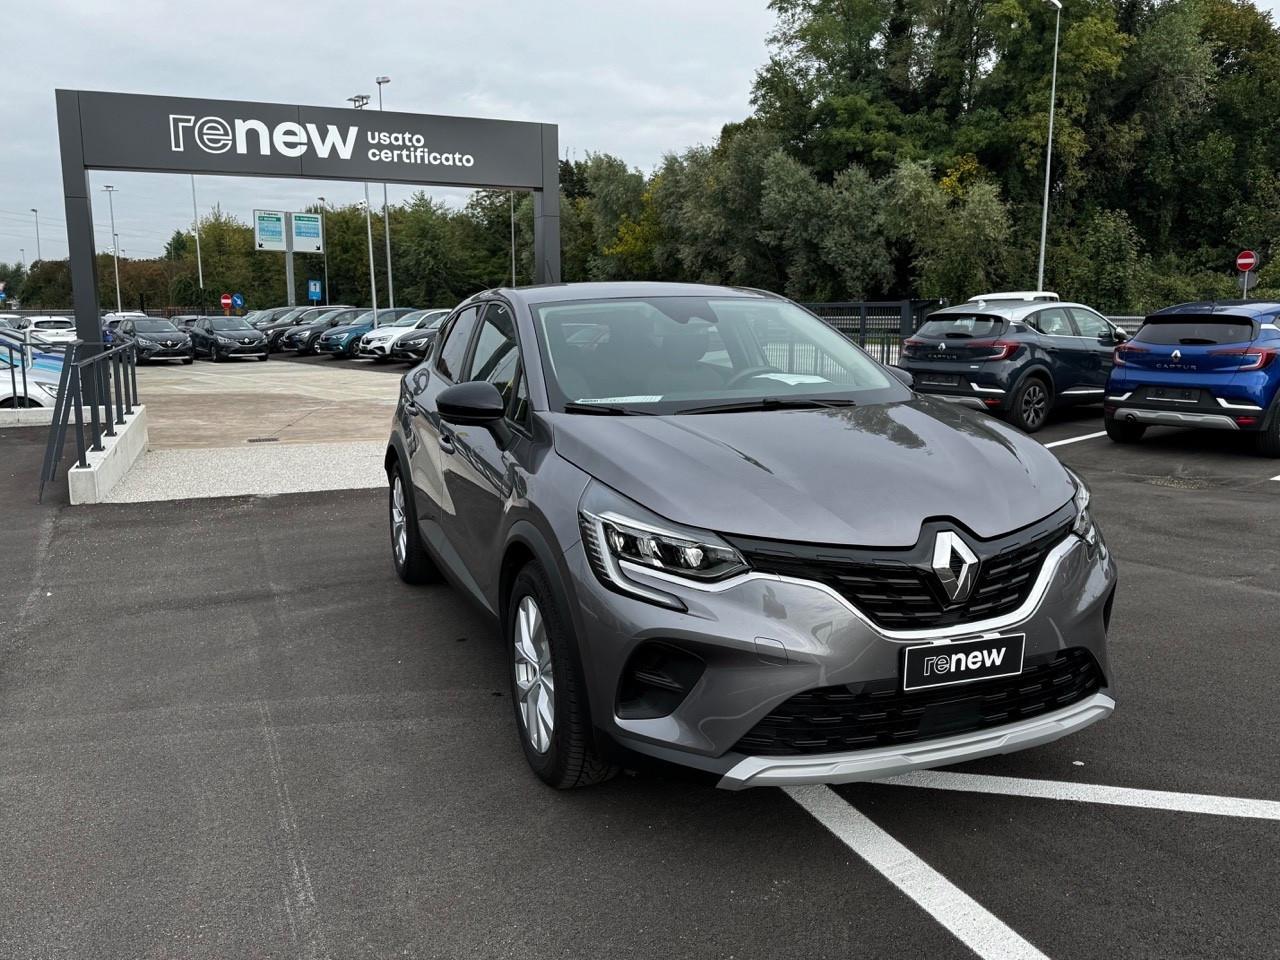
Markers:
point(237, 300)
point(3, 296)
point(313, 290)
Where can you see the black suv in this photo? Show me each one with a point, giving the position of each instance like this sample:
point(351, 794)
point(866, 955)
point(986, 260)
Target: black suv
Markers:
point(1017, 359)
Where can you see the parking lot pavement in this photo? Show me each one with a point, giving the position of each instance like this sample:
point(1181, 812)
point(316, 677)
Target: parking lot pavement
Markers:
point(395, 368)
point(231, 731)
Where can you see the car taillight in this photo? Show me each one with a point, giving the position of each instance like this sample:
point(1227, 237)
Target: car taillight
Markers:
point(1125, 349)
point(1251, 358)
point(1000, 349)
point(910, 344)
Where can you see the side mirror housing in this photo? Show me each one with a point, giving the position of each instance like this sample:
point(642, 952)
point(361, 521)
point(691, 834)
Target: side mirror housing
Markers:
point(904, 375)
point(471, 404)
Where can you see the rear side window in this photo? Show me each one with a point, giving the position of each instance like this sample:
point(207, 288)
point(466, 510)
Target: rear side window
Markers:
point(962, 325)
point(454, 348)
point(1053, 322)
point(1194, 331)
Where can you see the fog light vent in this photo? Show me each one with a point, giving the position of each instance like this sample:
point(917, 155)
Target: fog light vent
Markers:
point(656, 680)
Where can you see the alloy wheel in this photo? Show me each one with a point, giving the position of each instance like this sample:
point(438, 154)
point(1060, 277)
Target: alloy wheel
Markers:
point(535, 684)
point(1035, 403)
point(399, 528)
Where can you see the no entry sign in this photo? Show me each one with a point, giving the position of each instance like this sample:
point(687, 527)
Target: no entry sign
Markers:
point(1246, 260)
point(226, 301)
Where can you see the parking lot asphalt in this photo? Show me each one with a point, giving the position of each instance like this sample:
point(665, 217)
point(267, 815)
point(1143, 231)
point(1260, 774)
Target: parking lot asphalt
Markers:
point(232, 732)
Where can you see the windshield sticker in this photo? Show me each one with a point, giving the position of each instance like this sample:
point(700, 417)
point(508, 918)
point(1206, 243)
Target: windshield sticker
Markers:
point(793, 379)
point(620, 399)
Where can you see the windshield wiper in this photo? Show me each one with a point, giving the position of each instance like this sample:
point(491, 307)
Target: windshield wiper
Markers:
point(604, 410)
point(772, 403)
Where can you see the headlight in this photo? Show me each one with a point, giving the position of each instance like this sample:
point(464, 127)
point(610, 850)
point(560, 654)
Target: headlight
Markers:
point(144, 342)
point(1084, 527)
point(225, 340)
point(622, 538)
point(51, 391)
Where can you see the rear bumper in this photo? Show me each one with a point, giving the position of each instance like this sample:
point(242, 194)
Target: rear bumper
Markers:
point(1176, 418)
point(892, 761)
point(1208, 412)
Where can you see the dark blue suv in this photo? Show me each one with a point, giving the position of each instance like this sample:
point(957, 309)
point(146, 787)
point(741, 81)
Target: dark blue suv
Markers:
point(1015, 358)
point(1207, 365)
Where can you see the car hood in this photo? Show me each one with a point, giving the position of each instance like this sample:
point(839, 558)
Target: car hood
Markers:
point(865, 476)
point(346, 328)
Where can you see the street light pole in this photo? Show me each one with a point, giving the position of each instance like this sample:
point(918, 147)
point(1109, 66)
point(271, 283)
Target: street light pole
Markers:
point(324, 236)
point(386, 217)
point(115, 243)
point(1048, 147)
point(195, 221)
point(37, 216)
point(359, 101)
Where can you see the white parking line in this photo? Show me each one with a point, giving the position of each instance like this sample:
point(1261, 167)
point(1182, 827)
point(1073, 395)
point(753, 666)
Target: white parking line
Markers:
point(1091, 793)
point(1087, 436)
point(1275, 478)
point(960, 914)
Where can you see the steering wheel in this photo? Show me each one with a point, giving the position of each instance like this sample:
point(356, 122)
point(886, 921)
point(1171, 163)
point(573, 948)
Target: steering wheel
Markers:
point(747, 374)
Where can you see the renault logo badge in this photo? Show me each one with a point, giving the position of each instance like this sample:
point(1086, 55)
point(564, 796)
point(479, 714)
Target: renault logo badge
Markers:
point(1176, 355)
point(955, 566)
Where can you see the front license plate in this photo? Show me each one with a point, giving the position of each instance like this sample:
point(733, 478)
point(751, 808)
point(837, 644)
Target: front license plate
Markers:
point(938, 380)
point(947, 664)
point(1171, 393)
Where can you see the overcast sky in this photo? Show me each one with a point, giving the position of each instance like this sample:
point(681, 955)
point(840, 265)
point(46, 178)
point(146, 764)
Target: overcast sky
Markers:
point(634, 78)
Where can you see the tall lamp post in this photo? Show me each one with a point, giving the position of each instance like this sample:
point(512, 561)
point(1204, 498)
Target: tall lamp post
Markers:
point(324, 234)
point(360, 101)
point(195, 226)
point(37, 218)
point(115, 243)
point(386, 217)
point(1048, 147)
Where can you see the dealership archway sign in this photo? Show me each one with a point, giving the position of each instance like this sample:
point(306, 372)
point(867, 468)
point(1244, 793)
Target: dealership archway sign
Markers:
point(120, 131)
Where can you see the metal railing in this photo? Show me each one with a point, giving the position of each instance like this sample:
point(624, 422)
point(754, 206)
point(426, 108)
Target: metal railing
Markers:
point(878, 326)
point(105, 383)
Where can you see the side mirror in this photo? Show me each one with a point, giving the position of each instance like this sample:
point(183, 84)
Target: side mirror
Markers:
point(905, 376)
point(471, 404)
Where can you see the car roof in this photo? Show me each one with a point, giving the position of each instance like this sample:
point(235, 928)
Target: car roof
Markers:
point(1009, 309)
point(1028, 295)
point(621, 290)
point(1254, 309)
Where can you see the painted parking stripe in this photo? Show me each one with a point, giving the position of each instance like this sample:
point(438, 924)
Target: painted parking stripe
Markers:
point(1092, 793)
point(965, 918)
point(1087, 436)
point(1275, 478)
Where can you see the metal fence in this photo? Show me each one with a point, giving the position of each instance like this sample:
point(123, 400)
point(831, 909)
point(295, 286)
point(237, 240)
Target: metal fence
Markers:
point(103, 383)
point(878, 326)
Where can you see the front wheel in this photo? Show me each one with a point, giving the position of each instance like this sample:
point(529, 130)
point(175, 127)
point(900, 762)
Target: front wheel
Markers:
point(546, 689)
point(264, 357)
point(1030, 407)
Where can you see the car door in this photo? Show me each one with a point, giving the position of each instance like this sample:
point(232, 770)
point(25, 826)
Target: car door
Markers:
point(1098, 340)
point(1061, 346)
point(479, 471)
point(429, 438)
point(201, 335)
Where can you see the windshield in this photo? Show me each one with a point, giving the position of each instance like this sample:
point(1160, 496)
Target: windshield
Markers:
point(154, 326)
point(230, 323)
point(669, 354)
point(961, 326)
point(1194, 330)
point(53, 324)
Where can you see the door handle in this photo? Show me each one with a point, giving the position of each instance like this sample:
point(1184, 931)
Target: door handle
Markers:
point(446, 443)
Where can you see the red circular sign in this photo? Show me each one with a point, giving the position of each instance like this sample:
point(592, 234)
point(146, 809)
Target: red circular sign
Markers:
point(1246, 260)
point(226, 301)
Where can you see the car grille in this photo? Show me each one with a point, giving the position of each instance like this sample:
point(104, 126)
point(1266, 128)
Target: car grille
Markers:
point(905, 594)
point(879, 714)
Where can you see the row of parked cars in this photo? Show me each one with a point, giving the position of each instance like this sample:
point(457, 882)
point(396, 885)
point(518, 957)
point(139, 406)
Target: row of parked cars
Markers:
point(346, 332)
point(1208, 365)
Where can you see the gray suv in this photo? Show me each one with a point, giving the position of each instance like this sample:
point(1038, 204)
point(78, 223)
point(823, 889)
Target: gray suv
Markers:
point(714, 532)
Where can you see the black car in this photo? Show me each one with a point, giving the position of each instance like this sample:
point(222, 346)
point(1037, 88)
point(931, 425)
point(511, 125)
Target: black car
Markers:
point(221, 338)
point(415, 345)
point(1014, 358)
point(267, 317)
point(303, 337)
point(290, 319)
point(157, 339)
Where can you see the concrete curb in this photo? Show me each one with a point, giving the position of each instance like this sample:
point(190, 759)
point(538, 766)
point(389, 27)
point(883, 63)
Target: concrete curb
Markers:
point(92, 484)
point(26, 416)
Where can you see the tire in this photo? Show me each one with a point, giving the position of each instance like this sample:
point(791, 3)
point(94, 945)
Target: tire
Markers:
point(412, 563)
point(1268, 439)
point(1031, 404)
point(1121, 431)
point(265, 356)
point(187, 361)
point(545, 684)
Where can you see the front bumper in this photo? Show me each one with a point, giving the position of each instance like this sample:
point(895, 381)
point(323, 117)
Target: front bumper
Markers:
point(335, 347)
point(183, 352)
point(258, 349)
point(377, 350)
point(765, 639)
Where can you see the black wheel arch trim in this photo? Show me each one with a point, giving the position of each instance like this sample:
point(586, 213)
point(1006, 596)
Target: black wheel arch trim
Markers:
point(1036, 369)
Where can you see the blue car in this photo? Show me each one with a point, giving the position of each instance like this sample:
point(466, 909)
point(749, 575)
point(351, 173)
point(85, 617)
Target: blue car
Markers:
point(1210, 366)
point(344, 341)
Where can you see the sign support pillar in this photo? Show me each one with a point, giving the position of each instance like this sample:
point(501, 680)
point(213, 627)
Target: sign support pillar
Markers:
point(288, 259)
